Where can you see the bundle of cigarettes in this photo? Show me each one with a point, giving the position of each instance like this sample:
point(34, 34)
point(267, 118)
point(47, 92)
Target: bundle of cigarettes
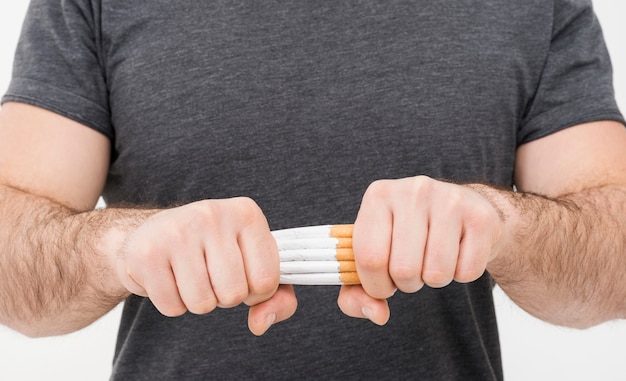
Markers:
point(316, 255)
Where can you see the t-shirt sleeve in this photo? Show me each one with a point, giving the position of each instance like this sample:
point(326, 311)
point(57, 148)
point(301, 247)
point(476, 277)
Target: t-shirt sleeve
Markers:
point(576, 85)
point(57, 63)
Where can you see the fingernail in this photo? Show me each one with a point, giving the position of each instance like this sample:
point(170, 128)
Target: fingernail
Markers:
point(367, 312)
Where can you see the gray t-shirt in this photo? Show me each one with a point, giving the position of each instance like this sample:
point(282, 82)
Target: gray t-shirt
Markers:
point(300, 105)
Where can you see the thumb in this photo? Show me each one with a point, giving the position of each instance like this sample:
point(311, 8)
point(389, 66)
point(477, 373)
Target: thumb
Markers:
point(281, 306)
point(354, 301)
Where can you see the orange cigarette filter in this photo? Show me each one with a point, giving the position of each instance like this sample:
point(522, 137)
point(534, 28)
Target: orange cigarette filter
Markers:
point(347, 267)
point(341, 231)
point(349, 278)
point(317, 243)
point(344, 254)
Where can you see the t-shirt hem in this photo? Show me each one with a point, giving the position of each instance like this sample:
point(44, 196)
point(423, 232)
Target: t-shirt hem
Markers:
point(569, 115)
point(52, 98)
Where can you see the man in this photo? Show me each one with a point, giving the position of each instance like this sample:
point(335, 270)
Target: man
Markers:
point(303, 108)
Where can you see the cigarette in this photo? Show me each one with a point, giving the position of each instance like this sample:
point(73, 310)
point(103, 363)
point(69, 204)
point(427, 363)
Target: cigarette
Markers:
point(341, 254)
point(314, 237)
point(321, 279)
point(320, 231)
point(314, 243)
point(306, 267)
point(316, 255)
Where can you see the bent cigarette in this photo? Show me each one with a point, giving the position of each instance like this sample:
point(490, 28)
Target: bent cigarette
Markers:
point(306, 267)
point(321, 279)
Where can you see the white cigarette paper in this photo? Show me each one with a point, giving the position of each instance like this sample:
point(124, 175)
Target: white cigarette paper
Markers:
point(313, 243)
point(319, 231)
point(344, 254)
point(320, 279)
point(305, 267)
point(316, 255)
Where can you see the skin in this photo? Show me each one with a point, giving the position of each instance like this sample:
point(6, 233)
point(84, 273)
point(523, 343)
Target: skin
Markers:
point(556, 248)
point(63, 265)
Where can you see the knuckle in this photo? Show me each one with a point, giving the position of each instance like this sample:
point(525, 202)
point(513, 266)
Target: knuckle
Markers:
point(417, 190)
point(200, 213)
point(436, 278)
point(263, 285)
point(247, 209)
point(482, 217)
point(412, 287)
point(468, 275)
point(171, 309)
point(196, 293)
point(406, 279)
point(232, 297)
point(203, 306)
point(371, 261)
point(401, 273)
point(454, 198)
point(421, 184)
point(377, 190)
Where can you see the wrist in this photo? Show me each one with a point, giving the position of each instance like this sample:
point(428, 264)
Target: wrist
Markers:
point(504, 203)
point(112, 228)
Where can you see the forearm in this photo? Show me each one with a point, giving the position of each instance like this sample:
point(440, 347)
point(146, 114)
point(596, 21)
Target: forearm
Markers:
point(56, 271)
point(563, 259)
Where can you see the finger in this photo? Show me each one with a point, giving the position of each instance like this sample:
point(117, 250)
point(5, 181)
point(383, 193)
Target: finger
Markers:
point(355, 302)
point(193, 282)
point(129, 282)
point(371, 241)
point(261, 261)
point(226, 272)
point(281, 306)
point(407, 249)
point(163, 292)
point(148, 273)
point(442, 249)
point(474, 252)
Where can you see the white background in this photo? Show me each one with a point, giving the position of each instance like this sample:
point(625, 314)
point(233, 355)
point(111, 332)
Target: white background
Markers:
point(532, 350)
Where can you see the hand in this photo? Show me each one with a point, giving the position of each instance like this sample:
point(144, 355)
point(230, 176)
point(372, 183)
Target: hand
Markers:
point(208, 254)
point(415, 231)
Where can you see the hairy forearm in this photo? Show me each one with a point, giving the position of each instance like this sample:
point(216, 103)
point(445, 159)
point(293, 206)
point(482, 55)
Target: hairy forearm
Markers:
point(563, 259)
point(55, 263)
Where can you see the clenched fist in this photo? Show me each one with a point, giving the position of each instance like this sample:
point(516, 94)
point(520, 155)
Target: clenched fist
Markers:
point(415, 231)
point(208, 254)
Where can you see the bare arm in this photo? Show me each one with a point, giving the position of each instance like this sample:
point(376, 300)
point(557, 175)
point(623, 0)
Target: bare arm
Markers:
point(63, 265)
point(565, 254)
point(557, 247)
point(53, 278)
